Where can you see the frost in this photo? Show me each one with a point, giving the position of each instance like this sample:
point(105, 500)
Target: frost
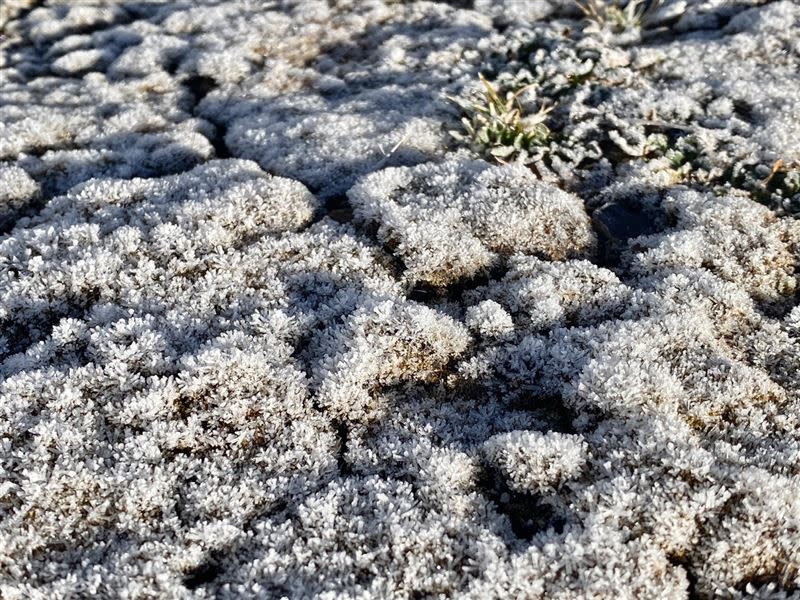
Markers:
point(733, 238)
point(92, 127)
point(533, 462)
point(269, 330)
point(49, 23)
point(381, 344)
point(544, 294)
point(16, 190)
point(489, 320)
point(78, 61)
point(349, 104)
point(449, 221)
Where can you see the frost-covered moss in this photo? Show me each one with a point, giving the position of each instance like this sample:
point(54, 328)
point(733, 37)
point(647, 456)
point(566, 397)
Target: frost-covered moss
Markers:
point(730, 236)
point(533, 462)
point(17, 189)
point(575, 377)
point(450, 221)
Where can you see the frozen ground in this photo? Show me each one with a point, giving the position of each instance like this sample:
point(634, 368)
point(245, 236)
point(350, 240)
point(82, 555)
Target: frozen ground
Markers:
point(272, 325)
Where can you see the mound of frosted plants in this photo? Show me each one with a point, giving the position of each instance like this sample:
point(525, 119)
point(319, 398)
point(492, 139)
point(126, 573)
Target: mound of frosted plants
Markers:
point(373, 299)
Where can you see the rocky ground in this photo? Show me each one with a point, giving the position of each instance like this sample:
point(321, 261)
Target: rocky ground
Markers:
point(293, 304)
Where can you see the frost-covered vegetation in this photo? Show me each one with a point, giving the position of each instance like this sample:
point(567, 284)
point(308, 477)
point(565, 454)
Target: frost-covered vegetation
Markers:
point(378, 299)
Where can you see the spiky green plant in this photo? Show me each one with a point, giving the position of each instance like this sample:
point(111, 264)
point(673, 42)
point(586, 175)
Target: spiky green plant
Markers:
point(615, 16)
point(497, 124)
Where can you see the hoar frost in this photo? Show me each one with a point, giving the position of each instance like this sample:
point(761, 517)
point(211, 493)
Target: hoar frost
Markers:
point(450, 221)
point(478, 381)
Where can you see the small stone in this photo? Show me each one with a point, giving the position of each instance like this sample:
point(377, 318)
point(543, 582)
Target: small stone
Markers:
point(618, 224)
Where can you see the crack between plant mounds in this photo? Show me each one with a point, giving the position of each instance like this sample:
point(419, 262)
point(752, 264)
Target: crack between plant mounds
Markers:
point(462, 4)
point(199, 86)
point(211, 567)
point(21, 16)
point(527, 514)
point(682, 562)
point(343, 437)
point(426, 293)
point(41, 49)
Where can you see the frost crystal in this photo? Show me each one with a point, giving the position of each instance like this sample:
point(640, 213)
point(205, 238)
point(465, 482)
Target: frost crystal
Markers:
point(267, 330)
point(534, 462)
point(489, 320)
point(16, 190)
point(449, 221)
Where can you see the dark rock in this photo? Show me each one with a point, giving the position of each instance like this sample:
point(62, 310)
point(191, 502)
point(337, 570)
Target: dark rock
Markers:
point(617, 223)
